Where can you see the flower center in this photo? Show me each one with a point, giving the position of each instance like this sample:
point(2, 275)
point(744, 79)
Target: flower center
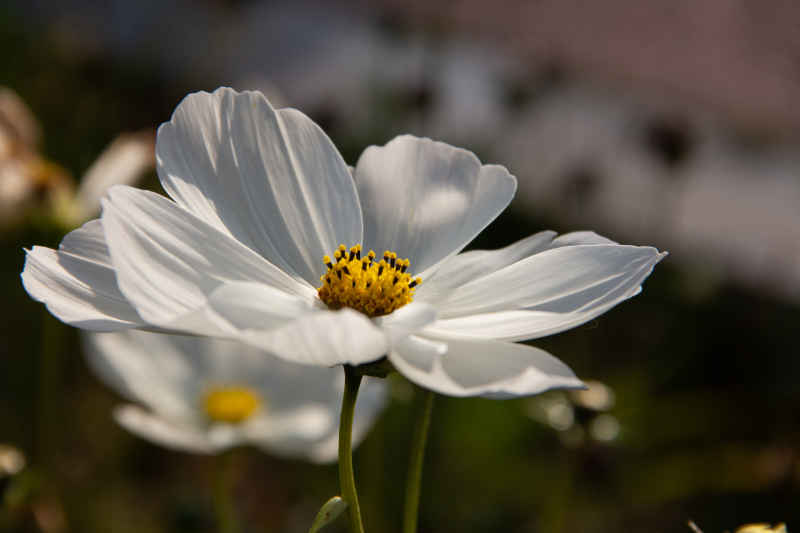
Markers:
point(375, 288)
point(230, 404)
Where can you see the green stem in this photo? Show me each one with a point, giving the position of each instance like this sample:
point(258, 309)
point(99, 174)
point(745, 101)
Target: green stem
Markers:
point(224, 481)
point(347, 482)
point(424, 407)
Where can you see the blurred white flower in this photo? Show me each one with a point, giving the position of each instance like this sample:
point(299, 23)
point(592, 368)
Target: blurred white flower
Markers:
point(206, 395)
point(124, 161)
point(28, 180)
point(261, 196)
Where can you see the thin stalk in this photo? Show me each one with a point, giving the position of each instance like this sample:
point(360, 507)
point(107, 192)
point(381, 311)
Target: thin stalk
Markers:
point(347, 482)
point(423, 408)
point(224, 484)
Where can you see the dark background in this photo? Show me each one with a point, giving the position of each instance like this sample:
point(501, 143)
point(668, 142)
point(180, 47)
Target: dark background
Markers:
point(672, 124)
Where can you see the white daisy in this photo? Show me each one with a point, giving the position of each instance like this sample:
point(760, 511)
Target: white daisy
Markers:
point(260, 197)
point(207, 395)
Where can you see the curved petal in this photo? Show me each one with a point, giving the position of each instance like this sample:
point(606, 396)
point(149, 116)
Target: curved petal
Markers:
point(168, 261)
point(468, 266)
point(144, 367)
point(580, 237)
point(426, 200)
point(164, 432)
point(271, 179)
point(78, 283)
point(525, 324)
point(567, 279)
point(481, 368)
point(249, 305)
point(407, 320)
point(325, 338)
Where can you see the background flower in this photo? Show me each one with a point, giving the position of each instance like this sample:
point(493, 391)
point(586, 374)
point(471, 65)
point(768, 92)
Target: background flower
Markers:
point(172, 379)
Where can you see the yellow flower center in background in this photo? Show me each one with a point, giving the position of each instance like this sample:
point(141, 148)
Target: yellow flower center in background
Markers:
point(375, 288)
point(230, 404)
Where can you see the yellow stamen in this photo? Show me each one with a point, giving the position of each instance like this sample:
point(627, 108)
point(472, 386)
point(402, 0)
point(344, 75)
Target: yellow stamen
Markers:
point(375, 288)
point(230, 404)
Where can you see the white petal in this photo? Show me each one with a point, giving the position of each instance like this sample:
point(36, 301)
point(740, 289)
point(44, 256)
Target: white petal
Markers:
point(527, 324)
point(426, 200)
point(272, 179)
point(168, 261)
point(324, 338)
point(292, 433)
point(514, 325)
point(164, 432)
point(468, 266)
point(407, 320)
point(248, 305)
point(124, 162)
point(77, 282)
point(580, 237)
point(148, 368)
point(481, 368)
point(567, 279)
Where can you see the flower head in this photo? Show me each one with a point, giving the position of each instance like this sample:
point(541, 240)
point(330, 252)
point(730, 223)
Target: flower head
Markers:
point(246, 248)
point(206, 395)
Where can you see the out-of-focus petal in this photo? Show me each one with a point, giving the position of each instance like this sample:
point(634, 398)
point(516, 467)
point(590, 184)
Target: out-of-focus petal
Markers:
point(145, 368)
point(123, 162)
point(163, 432)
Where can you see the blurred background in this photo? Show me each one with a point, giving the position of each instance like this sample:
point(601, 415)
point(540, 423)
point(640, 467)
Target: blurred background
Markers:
point(667, 123)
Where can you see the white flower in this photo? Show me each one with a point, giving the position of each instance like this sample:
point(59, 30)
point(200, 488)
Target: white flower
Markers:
point(260, 196)
point(206, 395)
